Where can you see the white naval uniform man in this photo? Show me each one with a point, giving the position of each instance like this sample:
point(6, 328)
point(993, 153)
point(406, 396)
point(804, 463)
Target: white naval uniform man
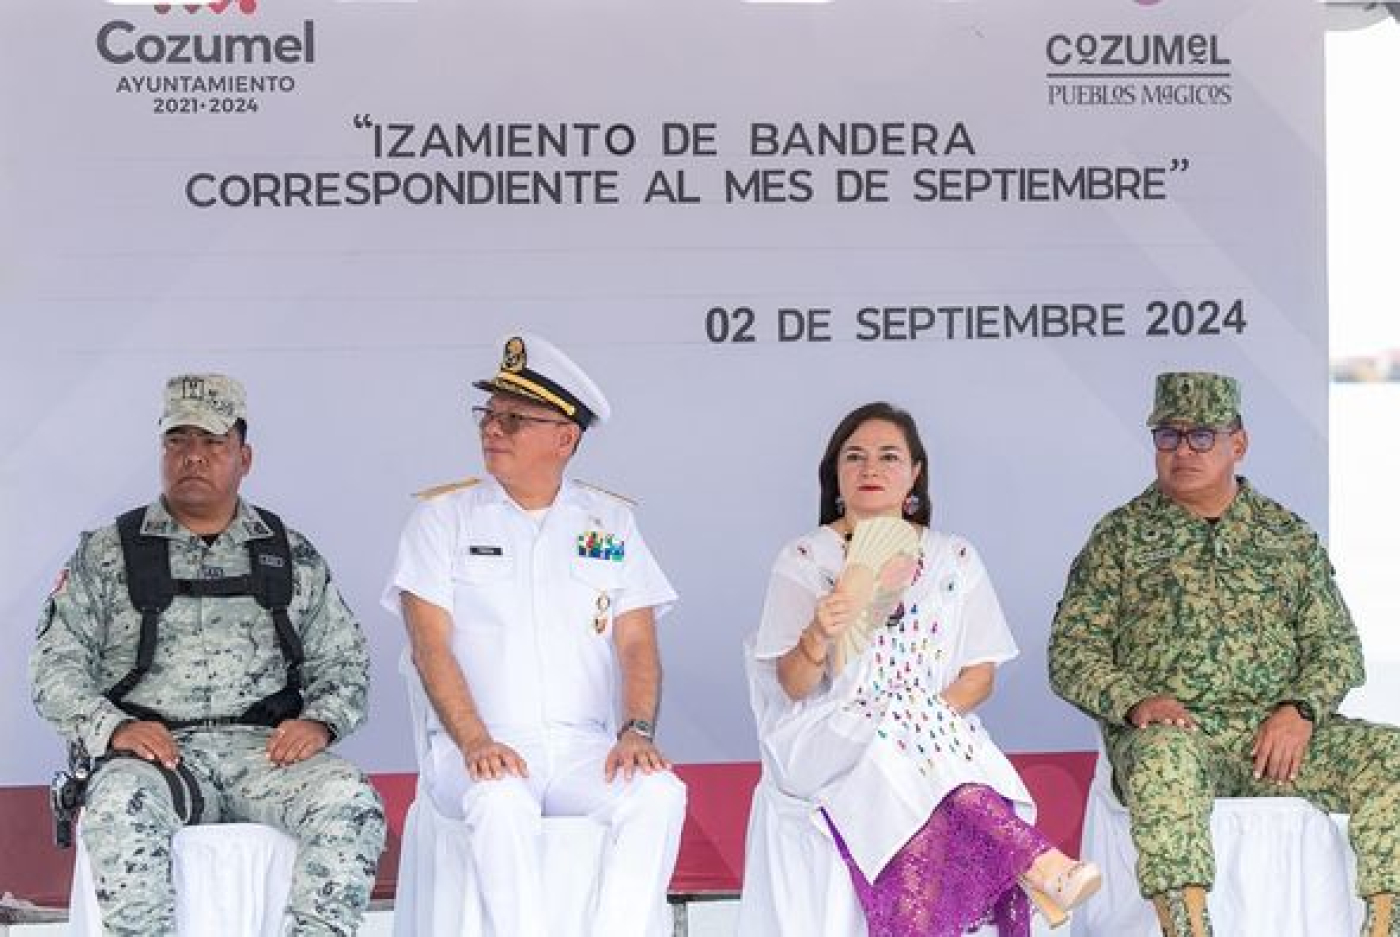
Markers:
point(530, 602)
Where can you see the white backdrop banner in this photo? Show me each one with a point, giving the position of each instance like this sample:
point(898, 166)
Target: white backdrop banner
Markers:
point(743, 219)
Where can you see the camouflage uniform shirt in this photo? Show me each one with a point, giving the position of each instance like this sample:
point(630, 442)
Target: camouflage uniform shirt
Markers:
point(214, 657)
point(1230, 617)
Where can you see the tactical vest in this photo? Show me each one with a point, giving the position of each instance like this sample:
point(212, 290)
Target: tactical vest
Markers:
point(152, 588)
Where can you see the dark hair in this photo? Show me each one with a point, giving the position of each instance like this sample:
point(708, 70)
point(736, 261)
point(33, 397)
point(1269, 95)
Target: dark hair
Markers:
point(826, 471)
point(240, 426)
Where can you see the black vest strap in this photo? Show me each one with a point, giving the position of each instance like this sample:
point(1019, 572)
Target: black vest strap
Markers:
point(152, 589)
point(270, 562)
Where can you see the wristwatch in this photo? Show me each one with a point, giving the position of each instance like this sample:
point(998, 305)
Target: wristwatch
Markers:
point(1304, 708)
point(640, 726)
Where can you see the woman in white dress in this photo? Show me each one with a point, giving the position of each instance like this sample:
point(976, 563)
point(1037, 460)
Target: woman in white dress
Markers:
point(929, 816)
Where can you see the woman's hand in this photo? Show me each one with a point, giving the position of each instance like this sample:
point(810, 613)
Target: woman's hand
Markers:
point(833, 616)
point(801, 669)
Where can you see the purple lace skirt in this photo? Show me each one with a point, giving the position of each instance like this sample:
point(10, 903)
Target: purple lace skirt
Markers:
point(957, 873)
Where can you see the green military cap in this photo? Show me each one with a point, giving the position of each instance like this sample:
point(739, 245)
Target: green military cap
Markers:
point(1196, 397)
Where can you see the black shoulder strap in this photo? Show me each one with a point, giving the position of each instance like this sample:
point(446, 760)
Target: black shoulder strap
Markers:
point(270, 563)
point(151, 587)
point(271, 581)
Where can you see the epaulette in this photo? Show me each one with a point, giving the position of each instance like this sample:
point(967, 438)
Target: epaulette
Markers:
point(447, 488)
point(604, 491)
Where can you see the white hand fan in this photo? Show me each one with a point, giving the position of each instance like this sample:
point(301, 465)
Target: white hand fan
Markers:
point(881, 561)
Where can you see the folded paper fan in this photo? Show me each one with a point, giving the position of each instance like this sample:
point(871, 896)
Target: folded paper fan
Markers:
point(881, 561)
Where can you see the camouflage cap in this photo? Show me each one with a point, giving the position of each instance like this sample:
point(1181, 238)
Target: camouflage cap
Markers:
point(1196, 397)
point(211, 402)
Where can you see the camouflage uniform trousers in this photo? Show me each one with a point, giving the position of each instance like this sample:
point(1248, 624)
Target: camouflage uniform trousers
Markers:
point(1169, 778)
point(324, 802)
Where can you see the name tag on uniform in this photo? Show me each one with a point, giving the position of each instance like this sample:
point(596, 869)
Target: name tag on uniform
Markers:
point(480, 550)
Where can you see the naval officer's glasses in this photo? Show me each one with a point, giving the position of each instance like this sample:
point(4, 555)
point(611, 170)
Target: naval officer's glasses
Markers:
point(1199, 438)
point(508, 420)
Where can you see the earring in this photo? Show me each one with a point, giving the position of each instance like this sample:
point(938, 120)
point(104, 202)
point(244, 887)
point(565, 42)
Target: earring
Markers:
point(840, 506)
point(911, 505)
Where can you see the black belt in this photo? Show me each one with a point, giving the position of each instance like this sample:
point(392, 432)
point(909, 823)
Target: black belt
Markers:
point(217, 722)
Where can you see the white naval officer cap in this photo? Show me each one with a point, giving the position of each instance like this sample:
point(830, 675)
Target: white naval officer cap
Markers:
point(535, 370)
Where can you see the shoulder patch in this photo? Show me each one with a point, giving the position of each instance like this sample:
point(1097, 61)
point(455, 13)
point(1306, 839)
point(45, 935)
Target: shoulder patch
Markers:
point(303, 552)
point(603, 491)
point(157, 527)
point(447, 488)
point(254, 527)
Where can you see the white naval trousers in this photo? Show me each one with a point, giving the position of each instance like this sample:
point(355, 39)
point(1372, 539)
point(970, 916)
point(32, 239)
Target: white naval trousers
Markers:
point(642, 817)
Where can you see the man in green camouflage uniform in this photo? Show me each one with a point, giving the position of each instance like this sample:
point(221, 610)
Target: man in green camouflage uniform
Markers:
point(214, 657)
point(1202, 628)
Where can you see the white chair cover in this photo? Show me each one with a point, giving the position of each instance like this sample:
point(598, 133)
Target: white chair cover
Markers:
point(231, 880)
point(1283, 869)
point(438, 895)
point(795, 884)
point(437, 892)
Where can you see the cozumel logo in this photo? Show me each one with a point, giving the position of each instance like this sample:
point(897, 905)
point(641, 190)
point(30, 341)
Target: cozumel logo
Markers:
point(121, 43)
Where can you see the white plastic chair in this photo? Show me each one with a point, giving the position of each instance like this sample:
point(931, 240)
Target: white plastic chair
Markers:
point(1283, 869)
point(438, 894)
point(231, 880)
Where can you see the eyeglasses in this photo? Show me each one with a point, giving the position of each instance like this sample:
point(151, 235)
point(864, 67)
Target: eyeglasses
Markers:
point(1199, 438)
point(509, 421)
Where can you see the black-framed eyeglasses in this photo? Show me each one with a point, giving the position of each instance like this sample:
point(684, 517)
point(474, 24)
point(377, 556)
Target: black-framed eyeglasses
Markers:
point(508, 420)
point(1199, 438)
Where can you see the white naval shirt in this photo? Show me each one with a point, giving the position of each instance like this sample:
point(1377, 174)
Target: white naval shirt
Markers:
point(528, 598)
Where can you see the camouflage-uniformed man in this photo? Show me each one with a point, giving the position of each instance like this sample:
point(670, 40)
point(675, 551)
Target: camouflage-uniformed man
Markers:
point(1202, 628)
point(223, 713)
